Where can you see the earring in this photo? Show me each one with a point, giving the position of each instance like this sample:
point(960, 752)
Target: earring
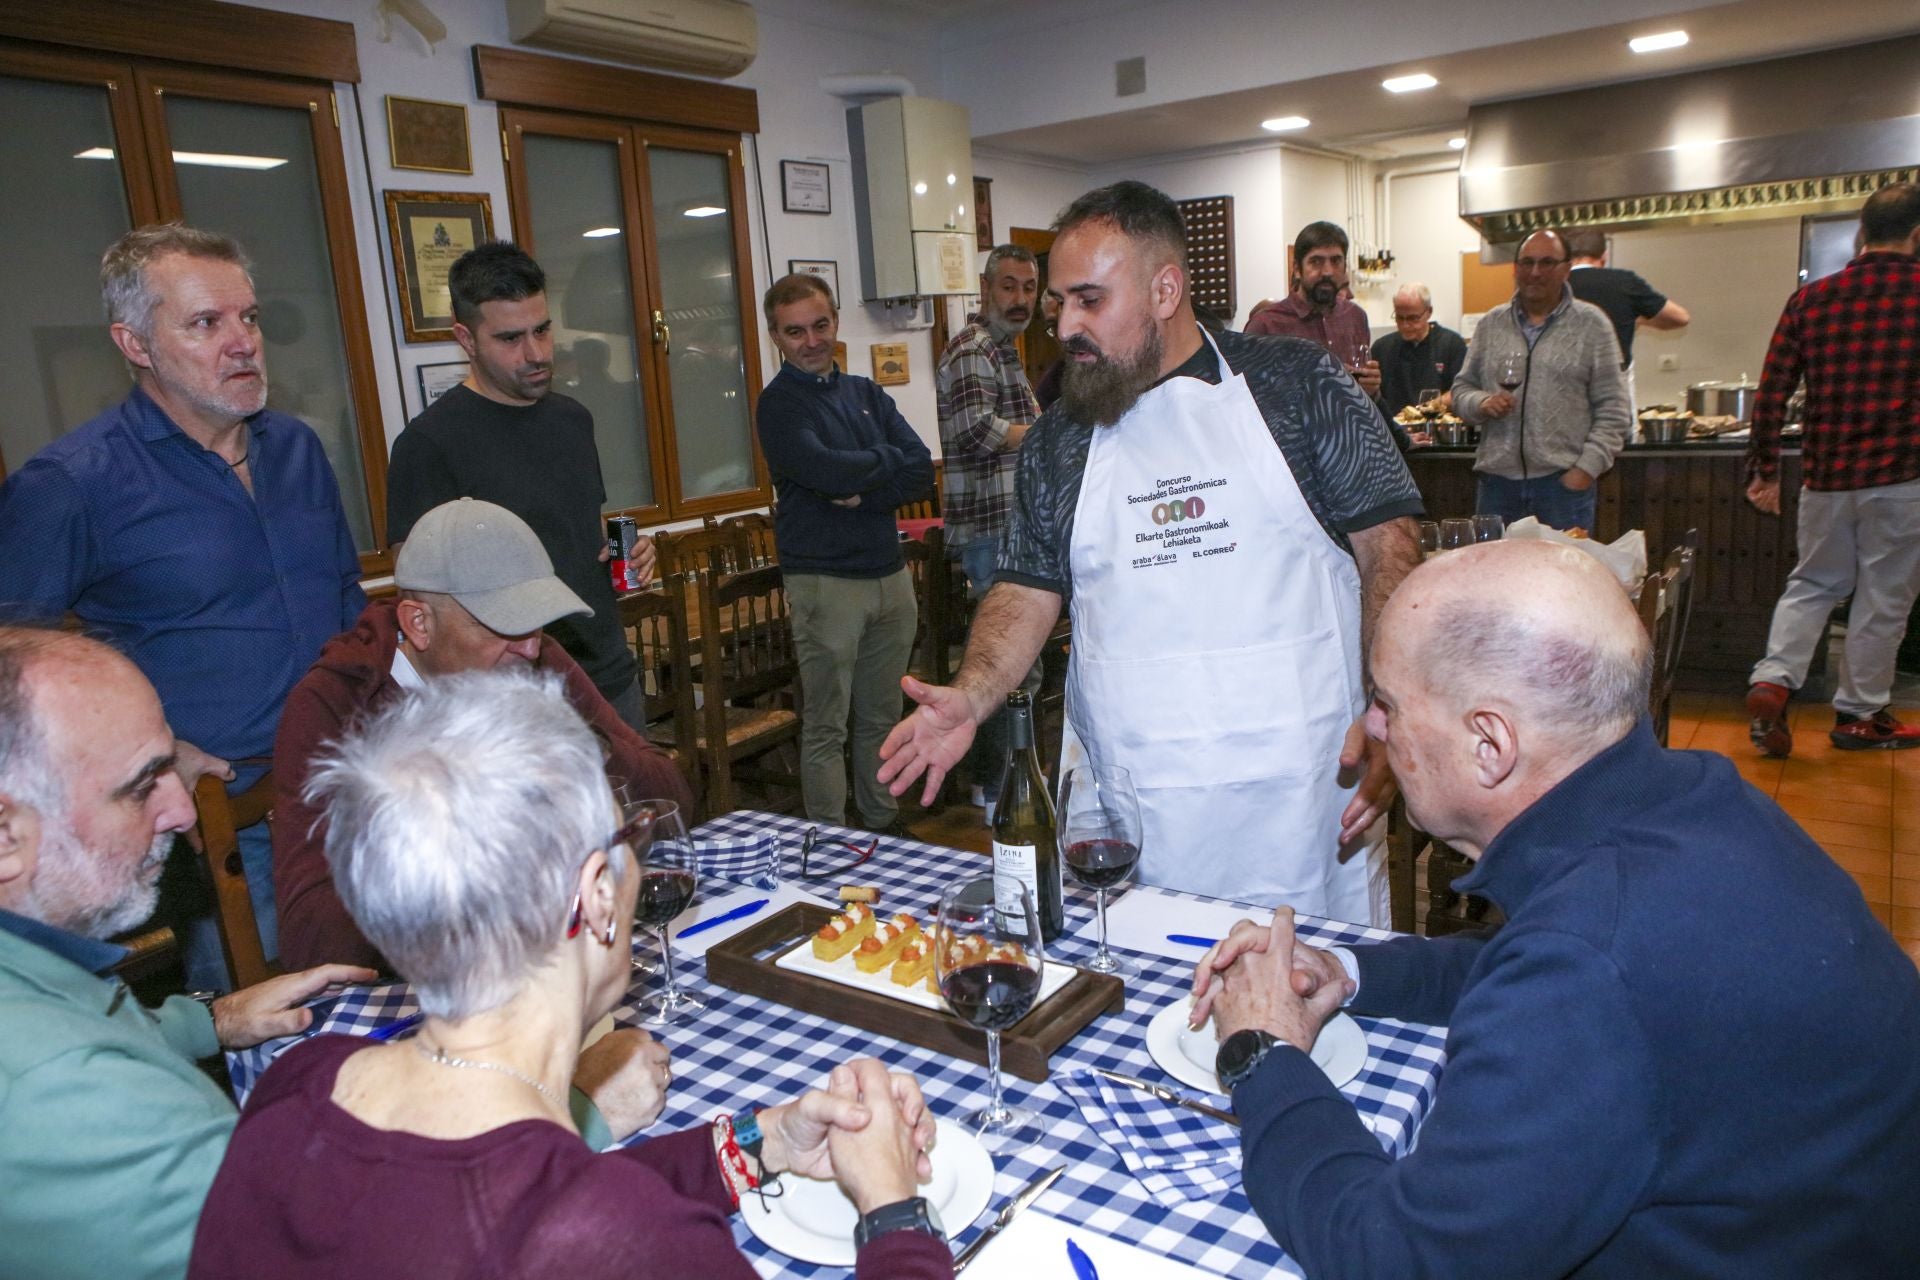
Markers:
point(610, 927)
point(573, 919)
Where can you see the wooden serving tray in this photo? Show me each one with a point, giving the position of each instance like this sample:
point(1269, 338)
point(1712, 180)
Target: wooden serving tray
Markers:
point(1024, 1047)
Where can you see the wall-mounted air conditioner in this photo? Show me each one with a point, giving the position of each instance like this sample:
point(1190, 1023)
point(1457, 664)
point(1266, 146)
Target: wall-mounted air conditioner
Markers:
point(913, 198)
point(708, 37)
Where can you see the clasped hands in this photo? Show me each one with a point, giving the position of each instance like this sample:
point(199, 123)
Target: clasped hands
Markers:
point(1261, 977)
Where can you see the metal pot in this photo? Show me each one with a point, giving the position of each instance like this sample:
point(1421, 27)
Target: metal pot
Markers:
point(1723, 399)
point(1665, 429)
point(1453, 434)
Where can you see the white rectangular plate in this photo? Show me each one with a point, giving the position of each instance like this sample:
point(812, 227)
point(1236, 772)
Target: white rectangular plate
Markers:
point(802, 960)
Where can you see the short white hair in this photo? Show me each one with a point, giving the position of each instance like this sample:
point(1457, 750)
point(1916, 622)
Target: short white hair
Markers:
point(1417, 290)
point(457, 822)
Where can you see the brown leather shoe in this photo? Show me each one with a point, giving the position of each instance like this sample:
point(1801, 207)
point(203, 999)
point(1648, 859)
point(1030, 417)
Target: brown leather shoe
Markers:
point(1881, 731)
point(1767, 709)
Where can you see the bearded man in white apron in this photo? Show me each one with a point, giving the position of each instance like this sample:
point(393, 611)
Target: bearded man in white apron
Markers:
point(1226, 516)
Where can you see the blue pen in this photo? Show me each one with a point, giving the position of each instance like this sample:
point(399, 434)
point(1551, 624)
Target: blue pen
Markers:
point(394, 1029)
point(1189, 940)
point(744, 909)
point(1083, 1267)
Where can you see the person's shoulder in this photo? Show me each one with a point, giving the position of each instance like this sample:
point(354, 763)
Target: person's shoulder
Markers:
point(974, 340)
point(1588, 314)
point(94, 450)
point(304, 1068)
point(1275, 357)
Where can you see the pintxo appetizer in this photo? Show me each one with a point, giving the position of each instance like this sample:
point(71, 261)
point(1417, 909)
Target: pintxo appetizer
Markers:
point(840, 935)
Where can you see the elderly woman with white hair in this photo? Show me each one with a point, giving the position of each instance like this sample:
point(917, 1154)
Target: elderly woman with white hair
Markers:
point(468, 832)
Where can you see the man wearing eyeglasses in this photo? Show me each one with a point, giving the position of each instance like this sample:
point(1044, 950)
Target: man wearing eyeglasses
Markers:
point(1543, 380)
point(1422, 356)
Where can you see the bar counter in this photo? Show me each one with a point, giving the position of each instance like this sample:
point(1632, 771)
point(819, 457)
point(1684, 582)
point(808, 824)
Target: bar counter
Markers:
point(1666, 489)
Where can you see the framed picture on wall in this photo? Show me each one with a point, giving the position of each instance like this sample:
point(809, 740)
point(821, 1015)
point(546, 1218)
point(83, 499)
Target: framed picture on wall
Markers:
point(804, 187)
point(983, 214)
point(438, 379)
point(429, 231)
point(822, 267)
point(890, 368)
point(428, 135)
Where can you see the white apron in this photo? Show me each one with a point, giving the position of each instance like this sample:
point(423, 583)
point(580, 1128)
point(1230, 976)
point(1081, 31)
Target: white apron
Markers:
point(1216, 654)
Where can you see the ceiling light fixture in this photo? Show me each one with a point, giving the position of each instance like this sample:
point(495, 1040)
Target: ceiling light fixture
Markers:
point(919, 188)
point(1655, 43)
point(1456, 144)
point(1283, 124)
point(600, 233)
point(1409, 84)
point(705, 211)
point(212, 159)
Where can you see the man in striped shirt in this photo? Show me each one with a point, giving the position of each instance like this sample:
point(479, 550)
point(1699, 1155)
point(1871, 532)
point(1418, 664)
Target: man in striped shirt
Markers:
point(985, 408)
point(1855, 337)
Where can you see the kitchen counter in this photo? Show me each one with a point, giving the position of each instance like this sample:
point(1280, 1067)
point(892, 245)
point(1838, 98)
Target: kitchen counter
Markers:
point(1667, 489)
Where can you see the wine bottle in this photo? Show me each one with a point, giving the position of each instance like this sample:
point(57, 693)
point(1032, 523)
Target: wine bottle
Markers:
point(1025, 851)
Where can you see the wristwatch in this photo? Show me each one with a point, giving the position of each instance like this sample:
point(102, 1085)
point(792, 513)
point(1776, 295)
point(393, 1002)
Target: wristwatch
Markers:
point(902, 1215)
point(1240, 1055)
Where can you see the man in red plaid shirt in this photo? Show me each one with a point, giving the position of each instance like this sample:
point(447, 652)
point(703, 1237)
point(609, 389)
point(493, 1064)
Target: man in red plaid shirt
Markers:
point(1855, 337)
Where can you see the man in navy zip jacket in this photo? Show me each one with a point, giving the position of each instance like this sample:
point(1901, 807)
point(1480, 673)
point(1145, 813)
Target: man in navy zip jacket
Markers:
point(842, 459)
point(1689, 1051)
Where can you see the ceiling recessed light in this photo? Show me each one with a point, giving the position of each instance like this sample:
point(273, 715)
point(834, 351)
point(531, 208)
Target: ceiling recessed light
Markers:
point(1457, 144)
point(952, 178)
point(1281, 124)
point(919, 188)
point(705, 211)
point(1655, 43)
point(600, 233)
point(1408, 84)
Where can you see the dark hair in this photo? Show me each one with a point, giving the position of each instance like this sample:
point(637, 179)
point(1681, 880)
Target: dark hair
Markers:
point(498, 271)
point(1136, 210)
point(1585, 243)
point(797, 287)
point(1317, 235)
point(1891, 213)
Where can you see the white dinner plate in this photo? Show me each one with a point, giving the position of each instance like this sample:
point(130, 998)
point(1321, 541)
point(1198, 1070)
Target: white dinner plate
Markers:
point(1187, 1055)
point(813, 1220)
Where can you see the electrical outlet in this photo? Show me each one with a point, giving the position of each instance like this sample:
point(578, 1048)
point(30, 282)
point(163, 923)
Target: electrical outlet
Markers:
point(1669, 363)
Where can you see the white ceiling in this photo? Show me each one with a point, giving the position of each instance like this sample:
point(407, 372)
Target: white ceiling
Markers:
point(1352, 113)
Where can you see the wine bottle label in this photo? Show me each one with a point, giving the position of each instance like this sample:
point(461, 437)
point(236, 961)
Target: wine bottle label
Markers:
point(1015, 865)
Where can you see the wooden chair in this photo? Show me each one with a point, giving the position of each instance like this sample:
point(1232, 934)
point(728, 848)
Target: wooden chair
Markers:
point(749, 675)
point(928, 508)
point(722, 548)
point(221, 816)
point(949, 608)
point(757, 529)
point(655, 623)
point(1666, 607)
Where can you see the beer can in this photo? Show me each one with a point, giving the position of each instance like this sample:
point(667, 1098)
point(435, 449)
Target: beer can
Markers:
point(622, 533)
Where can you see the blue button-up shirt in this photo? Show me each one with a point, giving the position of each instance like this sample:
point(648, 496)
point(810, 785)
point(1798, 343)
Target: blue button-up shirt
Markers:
point(222, 598)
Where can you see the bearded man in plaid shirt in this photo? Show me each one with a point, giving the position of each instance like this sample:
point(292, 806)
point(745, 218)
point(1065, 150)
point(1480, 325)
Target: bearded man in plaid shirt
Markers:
point(985, 408)
point(1855, 337)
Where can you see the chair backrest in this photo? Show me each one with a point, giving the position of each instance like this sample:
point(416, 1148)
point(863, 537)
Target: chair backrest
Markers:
point(221, 817)
point(756, 527)
point(720, 549)
point(951, 610)
point(655, 623)
point(920, 564)
point(746, 637)
point(928, 508)
point(1666, 604)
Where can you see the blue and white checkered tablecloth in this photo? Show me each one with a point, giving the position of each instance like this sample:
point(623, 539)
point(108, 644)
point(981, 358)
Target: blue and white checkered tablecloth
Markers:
point(744, 1050)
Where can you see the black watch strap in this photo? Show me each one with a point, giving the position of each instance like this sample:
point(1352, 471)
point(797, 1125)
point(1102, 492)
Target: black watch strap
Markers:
point(1240, 1055)
point(902, 1215)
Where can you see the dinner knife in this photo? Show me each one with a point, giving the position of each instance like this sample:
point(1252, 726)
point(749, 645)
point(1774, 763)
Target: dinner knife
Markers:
point(1021, 1199)
point(1167, 1095)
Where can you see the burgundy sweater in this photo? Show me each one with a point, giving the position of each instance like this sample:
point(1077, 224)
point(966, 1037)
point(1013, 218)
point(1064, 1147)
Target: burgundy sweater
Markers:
point(353, 677)
point(308, 1192)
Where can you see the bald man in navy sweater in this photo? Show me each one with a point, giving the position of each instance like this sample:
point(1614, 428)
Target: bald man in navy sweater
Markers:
point(1690, 1051)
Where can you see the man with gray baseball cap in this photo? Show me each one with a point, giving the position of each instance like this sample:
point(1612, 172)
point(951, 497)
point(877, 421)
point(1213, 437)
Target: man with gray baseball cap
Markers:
point(475, 587)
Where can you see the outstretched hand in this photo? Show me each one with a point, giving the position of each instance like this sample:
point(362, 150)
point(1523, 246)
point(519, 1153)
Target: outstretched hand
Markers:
point(1364, 758)
point(932, 740)
point(274, 1008)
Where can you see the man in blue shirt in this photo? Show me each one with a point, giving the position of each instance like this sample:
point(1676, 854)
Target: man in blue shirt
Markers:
point(1688, 1051)
point(199, 531)
point(842, 458)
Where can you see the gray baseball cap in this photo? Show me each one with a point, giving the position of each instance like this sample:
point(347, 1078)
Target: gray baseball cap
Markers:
point(487, 558)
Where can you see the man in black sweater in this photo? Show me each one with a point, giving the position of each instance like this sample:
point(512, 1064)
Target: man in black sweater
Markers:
point(502, 436)
point(1688, 1052)
point(842, 458)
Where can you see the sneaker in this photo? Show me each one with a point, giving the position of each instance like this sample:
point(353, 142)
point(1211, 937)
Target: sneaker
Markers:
point(1767, 708)
point(1880, 731)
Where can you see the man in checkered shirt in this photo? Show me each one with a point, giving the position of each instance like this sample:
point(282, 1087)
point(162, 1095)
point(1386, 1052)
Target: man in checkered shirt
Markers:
point(1855, 337)
point(985, 408)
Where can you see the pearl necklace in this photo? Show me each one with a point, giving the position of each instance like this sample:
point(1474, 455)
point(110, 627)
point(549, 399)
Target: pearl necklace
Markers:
point(445, 1059)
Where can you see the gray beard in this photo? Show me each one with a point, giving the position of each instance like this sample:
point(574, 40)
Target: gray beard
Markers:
point(66, 888)
point(1101, 393)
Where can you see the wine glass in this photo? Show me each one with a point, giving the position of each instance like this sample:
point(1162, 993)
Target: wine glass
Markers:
point(988, 957)
point(1429, 539)
point(1489, 528)
point(1454, 534)
point(1100, 829)
point(667, 884)
point(629, 810)
point(1513, 371)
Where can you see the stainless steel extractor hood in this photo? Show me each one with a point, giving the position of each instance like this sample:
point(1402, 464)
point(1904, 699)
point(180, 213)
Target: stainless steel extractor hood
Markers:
point(1806, 134)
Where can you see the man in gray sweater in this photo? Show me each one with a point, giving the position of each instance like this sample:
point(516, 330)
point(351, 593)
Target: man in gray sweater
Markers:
point(1544, 383)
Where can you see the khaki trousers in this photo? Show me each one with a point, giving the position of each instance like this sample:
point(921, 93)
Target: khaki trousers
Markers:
point(853, 638)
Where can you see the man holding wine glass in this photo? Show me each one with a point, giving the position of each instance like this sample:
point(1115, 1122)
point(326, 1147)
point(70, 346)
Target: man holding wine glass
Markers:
point(1316, 311)
point(1421, 357)
point(1225, 514)
point(1543, 381)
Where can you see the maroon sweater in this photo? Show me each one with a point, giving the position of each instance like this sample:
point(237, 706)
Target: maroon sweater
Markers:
point(307, 1192)
point(353, 677)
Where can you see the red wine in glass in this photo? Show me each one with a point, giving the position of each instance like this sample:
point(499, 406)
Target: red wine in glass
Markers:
point(1102, 864)
point(663, 895)
point(1509, 382)
point(992, 996)
point(667, 884)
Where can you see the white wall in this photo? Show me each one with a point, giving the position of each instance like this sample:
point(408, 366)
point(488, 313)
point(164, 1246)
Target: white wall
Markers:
point(1028, 192)
point(1427, 237)
point(1734, 278)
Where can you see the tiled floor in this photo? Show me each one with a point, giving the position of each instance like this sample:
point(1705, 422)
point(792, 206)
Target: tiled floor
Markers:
point(1862, 806)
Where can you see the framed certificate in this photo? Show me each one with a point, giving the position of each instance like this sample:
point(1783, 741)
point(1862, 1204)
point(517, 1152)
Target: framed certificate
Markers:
point(438, 379)
point(804, 187)
point(429, 231)
point(826, 269)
